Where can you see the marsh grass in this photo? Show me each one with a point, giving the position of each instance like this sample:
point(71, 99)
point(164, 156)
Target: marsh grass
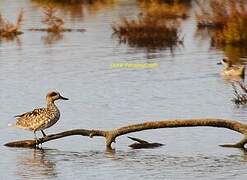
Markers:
point(185, 2)
point(157, 9)
point(54, 23)
point(156, 28)
point(69, 1)
point(212, 14)
point(228, 18)
point(75, 8)
point(10, 30)
point(147, 32)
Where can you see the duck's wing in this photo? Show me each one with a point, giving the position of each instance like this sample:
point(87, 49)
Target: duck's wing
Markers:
point(30, 120)
point(34, 113)
point(138, 140)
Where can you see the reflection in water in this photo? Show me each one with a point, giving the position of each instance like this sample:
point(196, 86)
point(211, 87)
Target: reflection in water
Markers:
point(224, 23)
point(236, 54)
point(36, 164)
point(93, 6)
point(202, 35)
point(52, 38)
point(76, 9)
point(163, 166)
point(12, 39)
point(133, 162)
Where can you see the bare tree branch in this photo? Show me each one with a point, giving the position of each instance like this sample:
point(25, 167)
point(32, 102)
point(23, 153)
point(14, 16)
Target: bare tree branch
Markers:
point(34, 143)
point(240, 144)
point(111, 135)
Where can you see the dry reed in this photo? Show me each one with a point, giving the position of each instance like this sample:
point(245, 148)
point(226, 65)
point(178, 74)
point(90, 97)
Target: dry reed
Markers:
point(157, 27)
point(54, 23)
point(228, 18)
point(8, 29)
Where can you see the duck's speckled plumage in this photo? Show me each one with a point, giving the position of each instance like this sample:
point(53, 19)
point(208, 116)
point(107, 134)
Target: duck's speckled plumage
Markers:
point(41, 118)
point(38, 119)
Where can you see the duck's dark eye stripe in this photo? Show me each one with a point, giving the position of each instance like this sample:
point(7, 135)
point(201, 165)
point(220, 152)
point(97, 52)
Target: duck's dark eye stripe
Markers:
point(53, 94)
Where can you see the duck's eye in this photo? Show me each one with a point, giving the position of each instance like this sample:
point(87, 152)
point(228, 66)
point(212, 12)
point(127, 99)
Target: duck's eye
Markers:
point(53, 94)
point(224, 60)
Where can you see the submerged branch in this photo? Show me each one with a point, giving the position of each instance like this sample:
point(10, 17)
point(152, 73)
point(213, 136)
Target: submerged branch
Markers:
point(53, 31)
point(111, 135)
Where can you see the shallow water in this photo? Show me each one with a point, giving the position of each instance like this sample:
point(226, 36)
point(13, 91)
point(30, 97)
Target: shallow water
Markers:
point(186, 84)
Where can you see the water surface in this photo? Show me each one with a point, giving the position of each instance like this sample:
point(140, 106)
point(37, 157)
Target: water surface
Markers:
point(186, 84)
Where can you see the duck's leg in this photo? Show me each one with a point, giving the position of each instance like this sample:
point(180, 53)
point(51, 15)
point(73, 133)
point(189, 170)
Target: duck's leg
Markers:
point(35, 138)
point(43, 133)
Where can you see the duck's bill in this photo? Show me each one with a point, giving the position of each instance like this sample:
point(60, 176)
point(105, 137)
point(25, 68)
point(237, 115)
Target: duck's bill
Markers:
point(219, 63)
point(63, 98)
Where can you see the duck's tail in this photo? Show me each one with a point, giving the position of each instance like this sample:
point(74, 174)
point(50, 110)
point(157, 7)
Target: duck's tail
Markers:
point(11, 125)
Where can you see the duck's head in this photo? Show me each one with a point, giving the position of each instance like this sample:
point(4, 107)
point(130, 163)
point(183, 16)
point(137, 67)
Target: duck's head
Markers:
point(53, 96)
point(226, 62)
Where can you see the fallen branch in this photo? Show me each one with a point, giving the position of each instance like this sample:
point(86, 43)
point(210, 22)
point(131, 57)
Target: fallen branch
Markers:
point(111, 135)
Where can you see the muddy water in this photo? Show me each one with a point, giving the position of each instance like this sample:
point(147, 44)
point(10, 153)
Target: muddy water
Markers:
point(185, 84)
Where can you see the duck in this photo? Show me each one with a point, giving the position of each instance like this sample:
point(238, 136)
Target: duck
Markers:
point(41, 118)
point(230, 70)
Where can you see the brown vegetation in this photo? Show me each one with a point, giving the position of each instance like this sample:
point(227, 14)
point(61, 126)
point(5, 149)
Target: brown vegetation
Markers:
point(227, 17)
point(67, 1)
point(185, 2)
point(8, 29)
point(111, 135)
point(72, 8)
point(54, 23)
point(156, 28)
point(75, 8)
point(212, 14)
point(147, 32)
point(158, 9)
